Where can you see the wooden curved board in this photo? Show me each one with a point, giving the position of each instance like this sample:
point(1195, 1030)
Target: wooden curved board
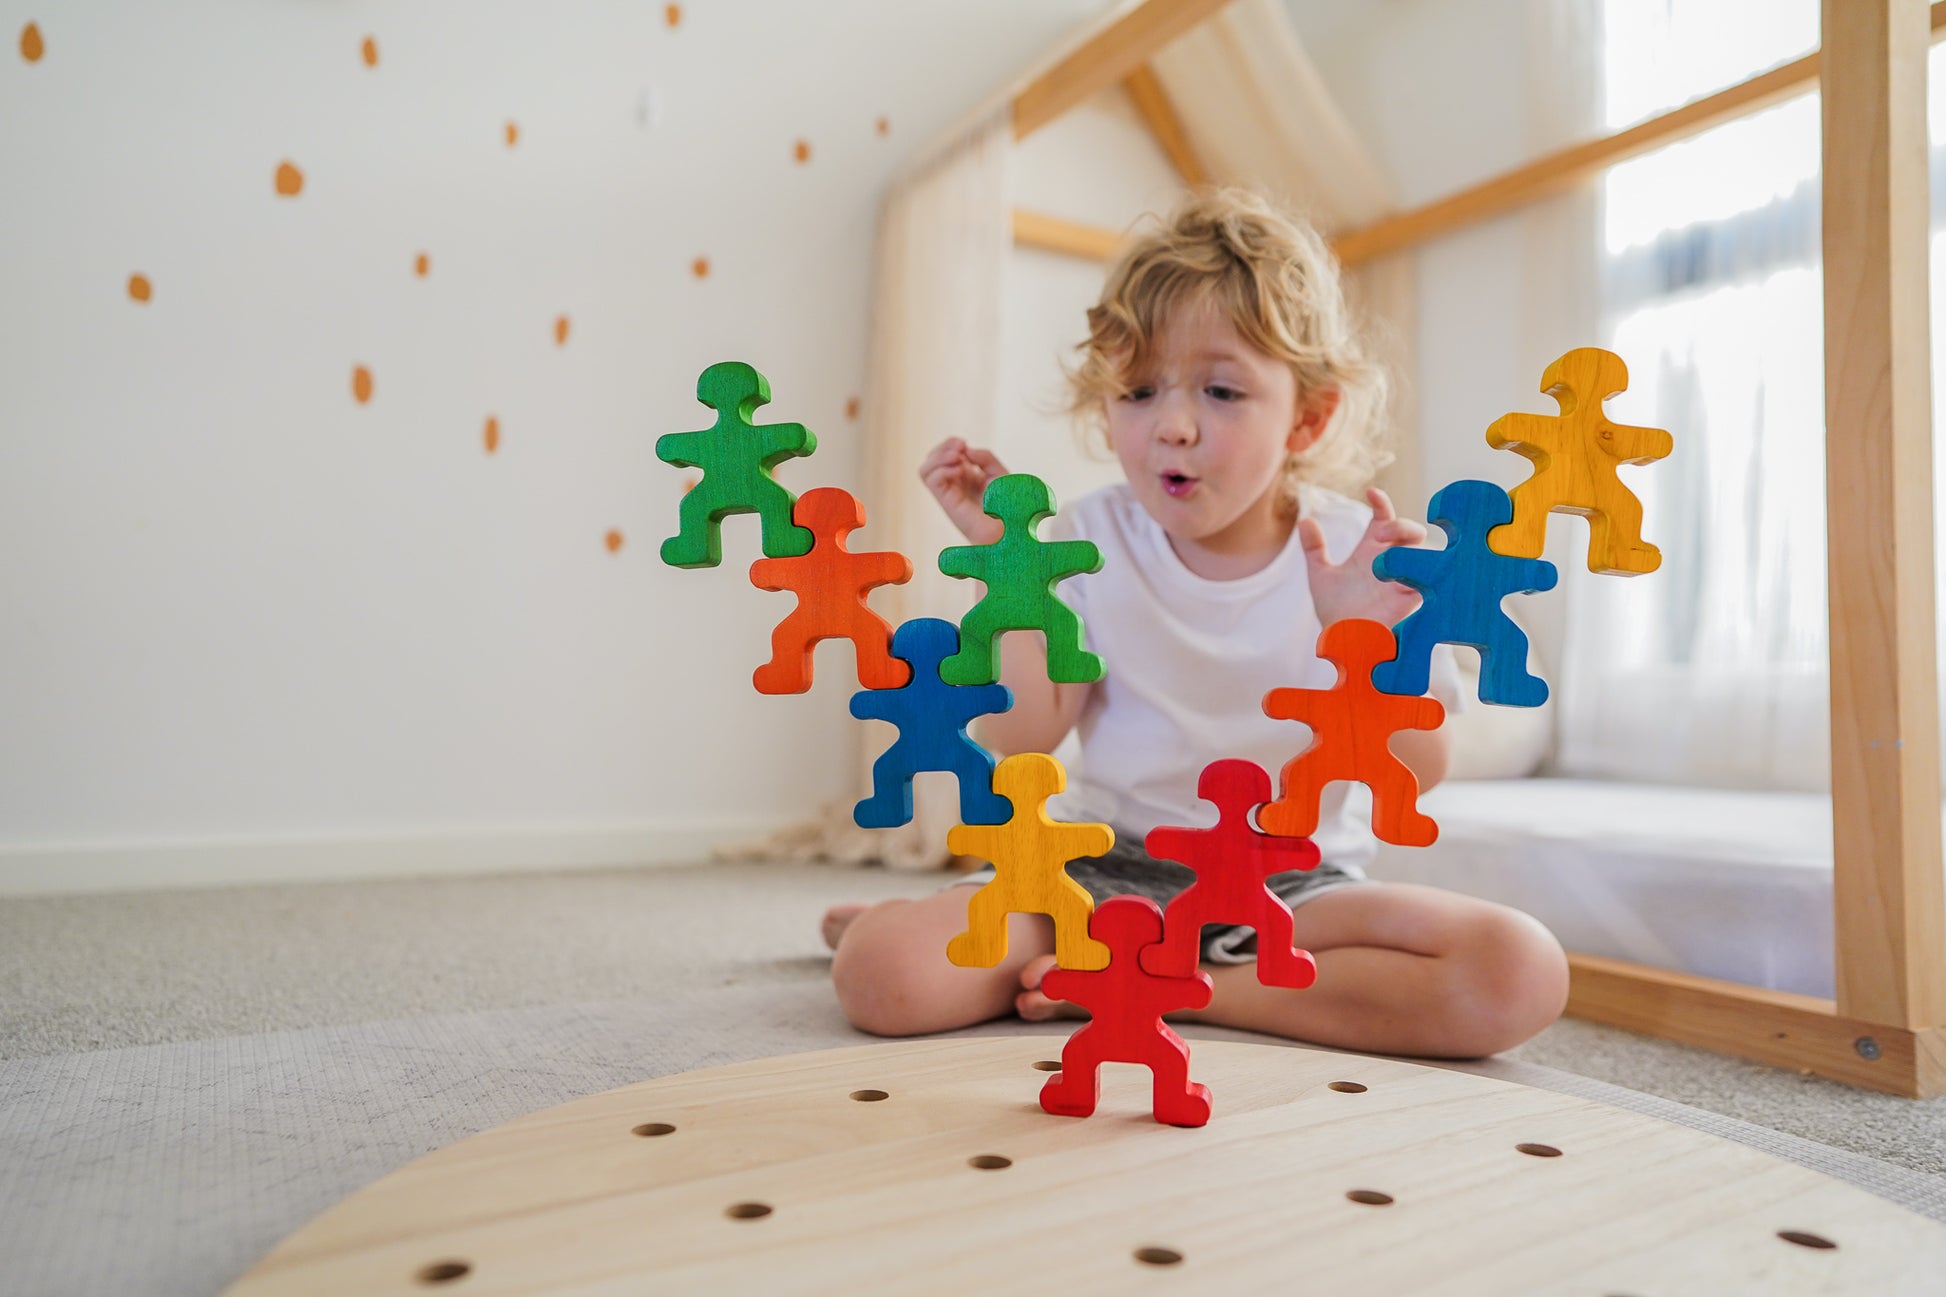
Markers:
point(1320, 1172)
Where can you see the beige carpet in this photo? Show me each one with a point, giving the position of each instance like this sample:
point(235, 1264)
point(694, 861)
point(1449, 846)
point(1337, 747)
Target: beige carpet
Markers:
point(206, 1070)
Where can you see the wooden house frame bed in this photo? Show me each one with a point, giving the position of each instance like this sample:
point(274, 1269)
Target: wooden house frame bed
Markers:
point(1886, 1028)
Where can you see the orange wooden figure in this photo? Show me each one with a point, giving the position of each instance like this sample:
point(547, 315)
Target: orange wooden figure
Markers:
point(1029, 853)
point(1575, 454)
point(831, 583)
point(1352, 725)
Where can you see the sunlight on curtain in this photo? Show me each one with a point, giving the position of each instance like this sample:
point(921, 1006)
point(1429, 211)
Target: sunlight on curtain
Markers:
point(1713, 670)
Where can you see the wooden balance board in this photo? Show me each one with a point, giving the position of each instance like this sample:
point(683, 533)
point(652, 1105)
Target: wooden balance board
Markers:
point(928, 1167)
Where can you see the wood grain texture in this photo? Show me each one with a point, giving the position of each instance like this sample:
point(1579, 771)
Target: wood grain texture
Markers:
point(1107, 57)
point(932, 718)
point(736, 458)
point(1020, 571)
point(1029, 854)
point(1352, 725)
point(1462, 588)
point(1233, 863)
point(1046, 233)
point(1145, 91)
point(831, 584)
point(1125, 1004)
point(1885, 780)
point(957, 1183)
point(1575, 455)
point(1775, 1027)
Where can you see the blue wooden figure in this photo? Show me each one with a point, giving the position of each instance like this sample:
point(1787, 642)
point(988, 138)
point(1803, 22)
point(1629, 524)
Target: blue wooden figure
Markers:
point(932, 717)
point(1462, 586)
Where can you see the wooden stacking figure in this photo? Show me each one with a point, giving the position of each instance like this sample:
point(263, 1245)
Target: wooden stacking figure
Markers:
point(1126, 1005)
point(736, 458)
point(1575, 456)
point(1029, 854)
point(1462, 587)
point(932, 717)
point(1020, 570)
point(1232, 862)
point(1352, 726)
point(831, 583)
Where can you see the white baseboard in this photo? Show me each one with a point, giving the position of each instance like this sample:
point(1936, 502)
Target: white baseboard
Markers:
point(148, 865)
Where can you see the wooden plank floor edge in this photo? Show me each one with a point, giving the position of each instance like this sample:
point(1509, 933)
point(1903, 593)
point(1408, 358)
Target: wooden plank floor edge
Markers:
point(1784, 1030)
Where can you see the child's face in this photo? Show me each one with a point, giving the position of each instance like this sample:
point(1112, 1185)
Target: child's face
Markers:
point(1204, 429)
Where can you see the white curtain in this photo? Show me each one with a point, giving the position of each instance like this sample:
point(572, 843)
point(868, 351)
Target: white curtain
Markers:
point(1713, 669)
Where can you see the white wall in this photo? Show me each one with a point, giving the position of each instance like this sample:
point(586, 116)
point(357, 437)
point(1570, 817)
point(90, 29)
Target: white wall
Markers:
point(254, 628)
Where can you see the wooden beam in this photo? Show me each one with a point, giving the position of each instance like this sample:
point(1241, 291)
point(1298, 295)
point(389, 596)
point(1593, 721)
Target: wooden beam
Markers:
point(1563, 170)
point(1111, 55)
point(1775, 1027)
point(1070, 238)
point(1152, 101)
point(1887, 880)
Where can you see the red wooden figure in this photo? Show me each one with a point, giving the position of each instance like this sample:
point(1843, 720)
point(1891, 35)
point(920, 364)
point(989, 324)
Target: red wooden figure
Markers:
point(831, 584)
point(1231, 862)
point(1127, 1005)
point(1352, 725)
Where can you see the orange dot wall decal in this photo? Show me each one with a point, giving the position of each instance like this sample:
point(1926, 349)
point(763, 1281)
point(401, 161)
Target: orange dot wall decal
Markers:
point(491, 436)
point(700, 267)
point(851, 408)
point(513, 134)
point(139, 288)
point(885, 126)
point(560, 330)
point(422, 265)
point(802, 151)
point(613, 541)
point(672, 14)
point(361, 383)
point(290, 181)
point(32, 47)
point(369, 51)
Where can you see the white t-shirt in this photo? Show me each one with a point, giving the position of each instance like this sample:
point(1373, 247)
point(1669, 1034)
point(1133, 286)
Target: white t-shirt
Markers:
point(1188, 661)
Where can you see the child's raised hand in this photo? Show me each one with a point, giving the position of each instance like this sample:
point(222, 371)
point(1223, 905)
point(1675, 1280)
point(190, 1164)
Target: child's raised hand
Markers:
point(957, 475)
point(1348, 589)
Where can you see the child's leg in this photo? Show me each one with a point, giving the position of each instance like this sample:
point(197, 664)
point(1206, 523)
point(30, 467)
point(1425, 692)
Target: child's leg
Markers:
point(893, 979)
point(1404, 969)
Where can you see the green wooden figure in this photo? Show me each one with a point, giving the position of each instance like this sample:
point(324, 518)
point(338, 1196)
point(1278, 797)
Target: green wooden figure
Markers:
point(1020, 571)
point(736, 457)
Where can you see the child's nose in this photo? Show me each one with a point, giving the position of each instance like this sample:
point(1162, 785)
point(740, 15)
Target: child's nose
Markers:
point(1176, 423)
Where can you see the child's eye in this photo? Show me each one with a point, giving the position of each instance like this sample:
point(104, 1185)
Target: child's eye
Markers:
point(1223, 393)
point(1138, 393)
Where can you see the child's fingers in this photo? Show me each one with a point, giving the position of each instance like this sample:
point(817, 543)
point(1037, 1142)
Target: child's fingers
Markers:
point(986, 461)
point(1311, 536)
point(1382, 510)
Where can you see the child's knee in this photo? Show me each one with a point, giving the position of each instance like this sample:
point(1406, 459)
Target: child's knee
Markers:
point(1513, 982)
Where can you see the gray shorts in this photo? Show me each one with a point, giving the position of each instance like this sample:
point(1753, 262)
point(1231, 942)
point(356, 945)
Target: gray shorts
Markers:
point(1128, 869)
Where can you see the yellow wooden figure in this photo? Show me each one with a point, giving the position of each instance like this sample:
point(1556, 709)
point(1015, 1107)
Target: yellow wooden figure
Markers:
point(1029, 853)
point(1575, 455)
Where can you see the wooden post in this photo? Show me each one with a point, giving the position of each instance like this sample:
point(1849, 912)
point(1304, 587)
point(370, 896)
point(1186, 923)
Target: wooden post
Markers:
point(1111, 54)
point(1885, 780)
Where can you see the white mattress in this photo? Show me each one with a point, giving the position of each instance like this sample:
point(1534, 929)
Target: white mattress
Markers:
point(1735, 885)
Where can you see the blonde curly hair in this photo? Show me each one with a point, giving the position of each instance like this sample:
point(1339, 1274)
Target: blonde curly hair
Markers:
point(1278, 281)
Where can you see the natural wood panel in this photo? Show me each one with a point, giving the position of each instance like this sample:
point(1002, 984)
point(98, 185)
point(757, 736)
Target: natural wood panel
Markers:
point(1071, 238)
point(1111, 55)
point(1159, 114)
point(1775, 1027)
point(927, 1167)
point(1885, 783)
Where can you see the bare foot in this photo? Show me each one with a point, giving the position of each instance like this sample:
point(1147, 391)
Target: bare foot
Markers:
point(837, 919)
point(1031, 1004)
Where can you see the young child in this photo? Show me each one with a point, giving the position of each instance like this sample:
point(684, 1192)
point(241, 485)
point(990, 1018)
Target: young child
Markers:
point(1221, 361)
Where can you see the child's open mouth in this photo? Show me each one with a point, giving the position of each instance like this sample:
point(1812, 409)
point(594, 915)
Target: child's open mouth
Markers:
point(1178, 484)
